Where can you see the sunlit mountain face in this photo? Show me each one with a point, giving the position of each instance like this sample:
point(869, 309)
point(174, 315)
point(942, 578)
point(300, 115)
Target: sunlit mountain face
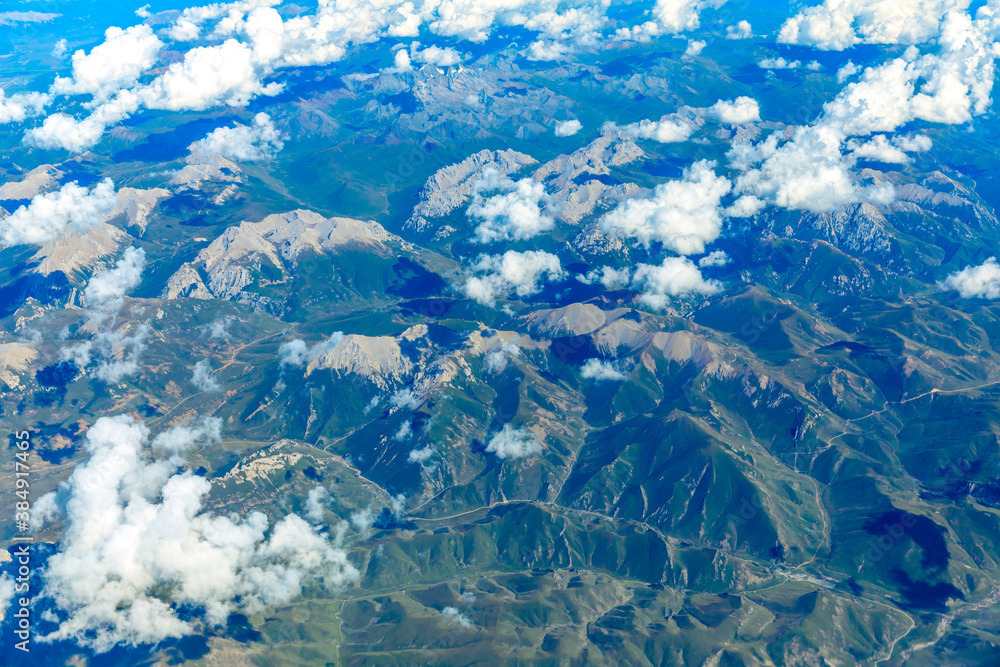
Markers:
point(365, 332)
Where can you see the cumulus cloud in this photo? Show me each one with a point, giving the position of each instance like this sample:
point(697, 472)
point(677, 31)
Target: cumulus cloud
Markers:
point(208, 75)
point(675, 277)
point(695, 47)
point(106, 289)
point(892, 151)
point(242, 143)
point(255, 42)
point(115, 354)
point(714, 258)
point(948, 87)
point(363, 520)
point(608, 276)
point(808, 172)
point(20, 106)
point(568, 128)
point(513, 443)
point(137, 545)
point(665, 130)
point(404, 432)
point(674, 16)
point(976, 282)
point(406, 399)
point(457, 617)
point(840, 24)
point(297, 353)
point(48, 217)
point(420, 455)
point(219, 328)
point(740, 111)
point(741, 30)
point(778, 63)
point(316, 503)
point(684, 215)
point(61, 131)
point(848, 70)
point(435, 55)
point(520, 211)
point(500, 353)
point(202, 378)
point(602, 370)
point(519, 272)
point(811, 171)
point(117, 62)
point(402, 62)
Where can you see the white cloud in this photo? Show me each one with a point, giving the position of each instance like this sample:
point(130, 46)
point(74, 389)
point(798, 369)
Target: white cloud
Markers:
point(676, 277)
point(745, 207)
point(257, 42)
point(208, 75)
point(402, 61)
point(714, 258)
point(7, 591)
point(219, 328)
point(404, 432)
point(894, 152)
point(778, 63)
point(674, 16)
point(116, 354)
point(683, 214)
point(316, 503)
point(406, 399)
point(20, 106)
point(808, 172)
point(500, 353)
point(435, 55)
point(608, 276)
point(107, 288)
point(115, 63)
point(976, 282)
point(297, 353)
point(520, 212)
point(71, 208)
point(695, 47)
point(143, 12)
point(61, 131)
point(59, 50)
point(520, 272)
point(847, 71)
point(741, 30)
point(293, 353)
point(840, 24)
point(188, 25)
point(513, 443)
point(137, 545)
point(568, 128)
point(242, 143)
point(601, 370)
point(457, 617)
point(740, 111)
point(420, 455)
point(665, 130)
point(363, 520)
point(202, 378)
